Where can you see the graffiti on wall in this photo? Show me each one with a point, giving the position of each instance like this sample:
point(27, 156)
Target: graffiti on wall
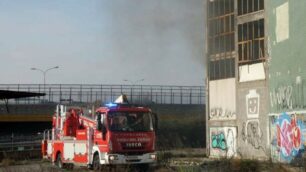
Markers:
point(222, 99)
point(223, 141)
point(287, 137)
point(218, 141)
point(251, 132)
point(252, 104)
point(281, 97)
point(288, 96)
point(219, 113)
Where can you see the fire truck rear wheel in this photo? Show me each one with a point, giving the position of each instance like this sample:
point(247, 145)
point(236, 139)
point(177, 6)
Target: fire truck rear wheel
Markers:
point(96, 163)
point(59, 162)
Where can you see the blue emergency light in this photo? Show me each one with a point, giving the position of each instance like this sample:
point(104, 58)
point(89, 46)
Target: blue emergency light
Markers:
point(110, 105)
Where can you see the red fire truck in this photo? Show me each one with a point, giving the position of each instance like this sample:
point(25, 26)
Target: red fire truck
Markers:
point(114, 134)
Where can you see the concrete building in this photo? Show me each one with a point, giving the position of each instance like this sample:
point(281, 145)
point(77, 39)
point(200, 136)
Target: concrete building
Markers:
point(256, 67)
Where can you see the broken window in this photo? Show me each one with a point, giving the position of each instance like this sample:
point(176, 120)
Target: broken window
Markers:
point(251, 42)
point(221, 26)
point(221, 38)
point(249, 6)
point(221, 69)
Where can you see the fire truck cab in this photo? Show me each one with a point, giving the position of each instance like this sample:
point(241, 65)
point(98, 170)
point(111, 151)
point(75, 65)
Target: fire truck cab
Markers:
point(118, 133)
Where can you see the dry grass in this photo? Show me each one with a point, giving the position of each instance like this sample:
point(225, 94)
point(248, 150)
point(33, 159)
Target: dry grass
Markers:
point(7, 162)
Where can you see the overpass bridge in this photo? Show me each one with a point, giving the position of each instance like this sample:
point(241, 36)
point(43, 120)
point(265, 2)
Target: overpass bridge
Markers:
point(90, 93)
point(40, 109)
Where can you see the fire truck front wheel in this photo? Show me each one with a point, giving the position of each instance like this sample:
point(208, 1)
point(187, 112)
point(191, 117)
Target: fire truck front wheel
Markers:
point(96, 166)
point(59, 162)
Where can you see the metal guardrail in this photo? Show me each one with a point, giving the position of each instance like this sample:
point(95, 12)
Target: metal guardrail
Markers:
point(84, 93)
point(20, 146)
point(8, 138)
point(12, 143)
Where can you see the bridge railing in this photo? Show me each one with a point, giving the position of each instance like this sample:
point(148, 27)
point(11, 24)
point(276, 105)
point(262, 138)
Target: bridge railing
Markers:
point(86, 93)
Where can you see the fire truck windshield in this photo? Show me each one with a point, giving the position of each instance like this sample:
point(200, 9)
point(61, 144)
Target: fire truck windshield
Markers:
point(130, 121)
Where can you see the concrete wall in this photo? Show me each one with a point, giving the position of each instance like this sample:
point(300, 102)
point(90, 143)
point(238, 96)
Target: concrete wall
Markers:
point(222, 118)
point(223, 141)
point(270, 95)
point(246, 133)
point(252, 120)
point(247, 136)
point(287, 90)
point(222, 102)
point(288, 55)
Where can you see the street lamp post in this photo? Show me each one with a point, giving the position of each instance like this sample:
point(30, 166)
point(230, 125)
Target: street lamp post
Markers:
point(44, 72)
point(133, 83)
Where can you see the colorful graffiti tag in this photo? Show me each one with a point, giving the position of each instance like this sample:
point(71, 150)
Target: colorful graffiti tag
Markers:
point(288, 137)
point(223, 141)
point(218, 141)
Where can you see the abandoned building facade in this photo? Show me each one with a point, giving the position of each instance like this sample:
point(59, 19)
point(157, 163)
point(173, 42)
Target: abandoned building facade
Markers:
point(256, 67)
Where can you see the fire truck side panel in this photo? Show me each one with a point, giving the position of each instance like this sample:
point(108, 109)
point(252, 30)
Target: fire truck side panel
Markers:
point(80, 148)
point(80, 152)
point(81, 134)
point(44, 146)
point(80, 158)
point(68, 151)
point(49, 149)
point(57, 148)
point(89, 145)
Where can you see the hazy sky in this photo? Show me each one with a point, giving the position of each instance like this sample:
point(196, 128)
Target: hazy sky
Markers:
point(102, 41)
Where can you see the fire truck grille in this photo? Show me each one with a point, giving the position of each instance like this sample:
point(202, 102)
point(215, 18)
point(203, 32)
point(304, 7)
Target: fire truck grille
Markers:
point(134, 160)
point(133, 146)
point(134, 153)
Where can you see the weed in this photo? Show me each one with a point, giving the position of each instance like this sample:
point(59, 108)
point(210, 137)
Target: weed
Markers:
point(7, 162)
point(188, 169)
point(164, 157)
